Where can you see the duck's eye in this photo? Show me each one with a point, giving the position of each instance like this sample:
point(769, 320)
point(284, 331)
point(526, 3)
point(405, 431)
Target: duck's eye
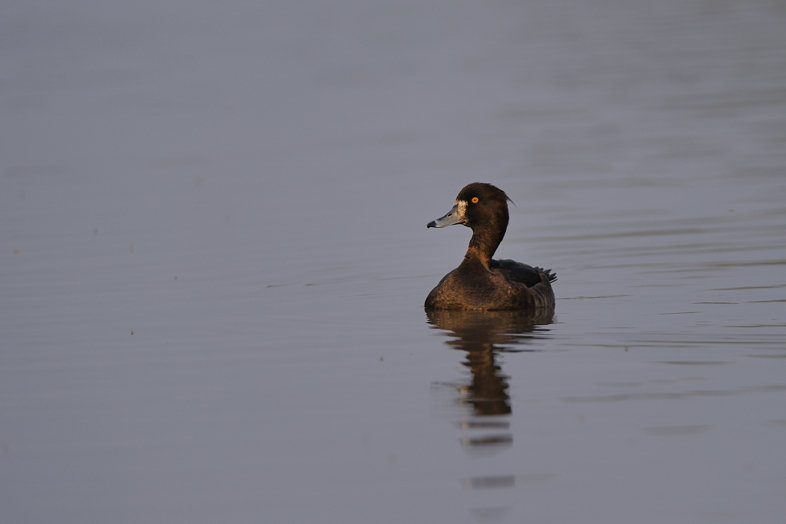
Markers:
point(474, 200)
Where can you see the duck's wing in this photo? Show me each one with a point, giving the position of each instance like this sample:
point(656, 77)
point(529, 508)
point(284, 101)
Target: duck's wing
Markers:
point(518, 272)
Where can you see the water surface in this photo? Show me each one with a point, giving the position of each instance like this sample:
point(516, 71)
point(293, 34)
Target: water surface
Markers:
point(214, 258)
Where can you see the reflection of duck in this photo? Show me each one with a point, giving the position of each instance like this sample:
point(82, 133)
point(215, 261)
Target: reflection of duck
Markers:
point(480, 283)
point(482, 334)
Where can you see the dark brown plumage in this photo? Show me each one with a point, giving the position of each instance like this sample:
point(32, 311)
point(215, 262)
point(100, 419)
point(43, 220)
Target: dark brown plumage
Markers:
point(480, 283)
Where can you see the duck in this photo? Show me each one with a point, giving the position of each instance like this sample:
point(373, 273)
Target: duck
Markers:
point(480, 282)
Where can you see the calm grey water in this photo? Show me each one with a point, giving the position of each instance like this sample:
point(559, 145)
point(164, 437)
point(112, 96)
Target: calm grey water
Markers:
point(214, 257)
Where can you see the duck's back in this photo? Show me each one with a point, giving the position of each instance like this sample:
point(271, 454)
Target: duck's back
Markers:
point(518, 272)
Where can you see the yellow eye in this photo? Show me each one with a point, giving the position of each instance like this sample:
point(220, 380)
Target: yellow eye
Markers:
point(474, 200)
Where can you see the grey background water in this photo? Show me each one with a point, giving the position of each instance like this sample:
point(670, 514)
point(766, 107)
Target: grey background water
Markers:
point(214, 258)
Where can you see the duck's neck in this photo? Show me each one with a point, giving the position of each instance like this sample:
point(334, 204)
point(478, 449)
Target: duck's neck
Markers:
point(484, 243)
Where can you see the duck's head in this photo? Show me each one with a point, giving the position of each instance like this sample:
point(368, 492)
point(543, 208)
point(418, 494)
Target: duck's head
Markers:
point(478, 206)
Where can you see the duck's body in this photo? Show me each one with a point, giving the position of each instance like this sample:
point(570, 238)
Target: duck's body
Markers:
point(506, 284)
point(481, 283)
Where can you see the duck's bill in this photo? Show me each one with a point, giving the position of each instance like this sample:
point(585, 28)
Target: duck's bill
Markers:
point(451, 219)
